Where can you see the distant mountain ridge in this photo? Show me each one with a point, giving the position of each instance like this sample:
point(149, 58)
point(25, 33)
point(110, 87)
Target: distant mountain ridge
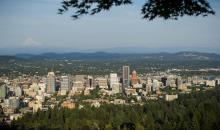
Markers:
point(186, 55)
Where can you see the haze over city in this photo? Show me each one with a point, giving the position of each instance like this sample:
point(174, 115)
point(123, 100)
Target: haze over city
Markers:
point(33, 26)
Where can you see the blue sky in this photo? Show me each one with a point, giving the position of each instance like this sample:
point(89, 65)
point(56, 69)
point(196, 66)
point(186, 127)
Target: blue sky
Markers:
point(30, 25)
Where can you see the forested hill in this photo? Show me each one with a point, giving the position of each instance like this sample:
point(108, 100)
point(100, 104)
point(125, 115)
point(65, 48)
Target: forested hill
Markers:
point(104, 56)
point(197, 111)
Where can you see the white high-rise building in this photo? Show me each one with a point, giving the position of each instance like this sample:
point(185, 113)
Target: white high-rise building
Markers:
point(155, 85)
point(65, 85)
point(126, 76)
point(3, 91)
point(18, 91)
point(51, 82)
point(113, 79)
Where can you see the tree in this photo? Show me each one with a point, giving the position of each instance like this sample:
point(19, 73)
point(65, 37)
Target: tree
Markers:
point(167, 9)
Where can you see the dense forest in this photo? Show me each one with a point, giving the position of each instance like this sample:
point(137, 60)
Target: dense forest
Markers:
point(199, 110)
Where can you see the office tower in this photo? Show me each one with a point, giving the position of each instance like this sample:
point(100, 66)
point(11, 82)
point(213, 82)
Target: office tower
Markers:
point(155, 85)
point(3, 91)
point(51, 82)
point(116, 88)
point(179, 83)
point(126, 74)
point(90, 82)
point(134, 79)
point(103, 83)
point(113, 79)
point(148, 84)
point(18, 91)
point(65, 84)
point(164, 81)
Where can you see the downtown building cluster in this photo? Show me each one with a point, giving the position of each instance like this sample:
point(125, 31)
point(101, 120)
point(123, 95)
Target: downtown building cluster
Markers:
point(32, 93)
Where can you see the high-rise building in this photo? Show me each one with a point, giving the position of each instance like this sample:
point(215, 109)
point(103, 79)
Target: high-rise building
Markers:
point(126, 75)
point(51, 82)
point(103, 83)
point(116, 88)
point(18, 91)
point(179, 83)
point(164, 81)
point(3, 91)
point(148, 85)
point(134, 79)
point(113, 79)
point(155, 85)
point(90, 82)
point(65, 85)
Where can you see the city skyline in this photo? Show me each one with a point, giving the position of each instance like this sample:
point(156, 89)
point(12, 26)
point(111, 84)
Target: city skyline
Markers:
point(109, 64)
point(36, 25)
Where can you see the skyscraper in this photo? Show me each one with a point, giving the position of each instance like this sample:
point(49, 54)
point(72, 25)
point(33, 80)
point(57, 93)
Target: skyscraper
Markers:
point(155, 85)
point(90, 81)
point(113, 79)
point(50, 82)
point(18, 91)
point(126, 74)
point(3, 91)
point(164, 81)
point(65, 85)
point(134, 79)
point(179, 83)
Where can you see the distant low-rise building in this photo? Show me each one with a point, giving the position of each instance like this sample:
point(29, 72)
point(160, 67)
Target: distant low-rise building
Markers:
point(68, 104)
point(119, 101)
point(14, 102)
point(210, 83)
point(171, 97)
point(15, 116)
point(37, 105)
point(95, 104)
point(115, 88)
point(130, 91)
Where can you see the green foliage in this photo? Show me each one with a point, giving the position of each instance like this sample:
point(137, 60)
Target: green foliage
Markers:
point(94, 94)
point(167, 9)
point(104, 67)
point(199, 110)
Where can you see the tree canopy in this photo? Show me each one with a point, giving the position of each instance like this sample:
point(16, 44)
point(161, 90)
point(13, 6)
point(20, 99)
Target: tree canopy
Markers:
point(194, 111)
point(166, 9)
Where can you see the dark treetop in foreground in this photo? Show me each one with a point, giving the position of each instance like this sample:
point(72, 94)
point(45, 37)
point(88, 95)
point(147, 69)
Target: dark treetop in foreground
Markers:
point(196, 111)
point(167, 9)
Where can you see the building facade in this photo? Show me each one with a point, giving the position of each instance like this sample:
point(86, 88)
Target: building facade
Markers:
point(51, 82)
point(113, 79)
point(126, 75)
point(65, 84)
